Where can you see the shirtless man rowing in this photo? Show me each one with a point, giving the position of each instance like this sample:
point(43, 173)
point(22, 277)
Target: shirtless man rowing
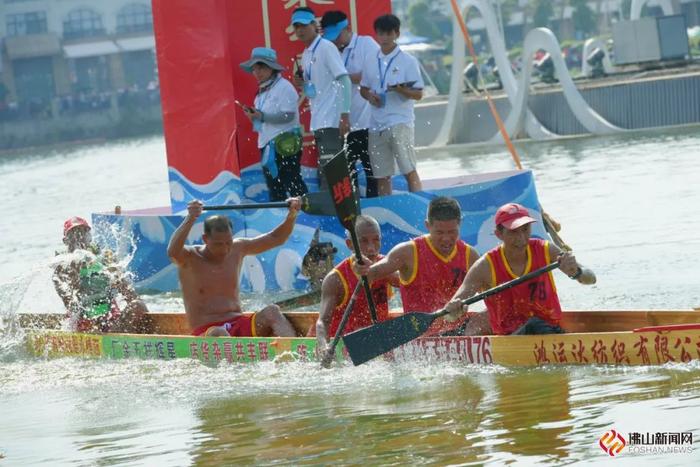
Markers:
point(210, 275)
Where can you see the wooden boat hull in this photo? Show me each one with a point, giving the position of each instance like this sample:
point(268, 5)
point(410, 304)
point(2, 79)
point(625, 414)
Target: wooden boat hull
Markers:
point(648, 338)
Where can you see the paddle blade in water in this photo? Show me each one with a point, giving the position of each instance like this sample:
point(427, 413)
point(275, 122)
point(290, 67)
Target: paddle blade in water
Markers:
point(373, 341)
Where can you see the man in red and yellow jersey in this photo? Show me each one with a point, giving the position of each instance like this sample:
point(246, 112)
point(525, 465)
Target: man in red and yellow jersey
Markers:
point(339, 284)
point(531, 307)
point(431, 267)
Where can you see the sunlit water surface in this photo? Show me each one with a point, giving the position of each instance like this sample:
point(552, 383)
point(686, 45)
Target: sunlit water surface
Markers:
point(627, 206)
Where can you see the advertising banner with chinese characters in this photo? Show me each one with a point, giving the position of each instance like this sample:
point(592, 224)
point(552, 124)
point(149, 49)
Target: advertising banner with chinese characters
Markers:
point(211, 147)
point(615, 348)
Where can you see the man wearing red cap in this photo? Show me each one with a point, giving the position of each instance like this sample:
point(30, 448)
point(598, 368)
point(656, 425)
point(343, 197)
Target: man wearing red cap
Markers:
point(531, 307)
point(89, 283)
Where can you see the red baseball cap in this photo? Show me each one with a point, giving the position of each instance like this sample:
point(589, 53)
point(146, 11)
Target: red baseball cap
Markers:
point(512, 215)
point(74, 222)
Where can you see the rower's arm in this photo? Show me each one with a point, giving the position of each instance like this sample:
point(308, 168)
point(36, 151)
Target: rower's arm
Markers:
point(398, 258)
point(177, 252)
point(394, 280)
point(269, 240)
point(571, 267)
point(478, 278)
point(331, 295)
point(473, 256)
point(66, 285)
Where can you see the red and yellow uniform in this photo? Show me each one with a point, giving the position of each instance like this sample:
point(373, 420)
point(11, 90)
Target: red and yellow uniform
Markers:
point(435, 280)
point(238, 326)
point(511, 308)
point(360, 316)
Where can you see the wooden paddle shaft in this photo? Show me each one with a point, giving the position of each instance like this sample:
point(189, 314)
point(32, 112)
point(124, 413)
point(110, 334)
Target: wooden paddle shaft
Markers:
point(226, 207)
point(504, 286)
point(330, 352)
point(365, 282)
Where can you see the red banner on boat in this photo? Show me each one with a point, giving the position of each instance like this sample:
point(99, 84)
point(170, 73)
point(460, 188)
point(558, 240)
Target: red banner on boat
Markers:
point(199, 47)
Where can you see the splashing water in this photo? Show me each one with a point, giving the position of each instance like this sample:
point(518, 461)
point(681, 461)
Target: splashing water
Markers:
point(11, 333)
point(120, 241)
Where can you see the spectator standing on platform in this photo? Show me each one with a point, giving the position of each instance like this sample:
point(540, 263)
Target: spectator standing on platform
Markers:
point(391, 81)
point(275, 117)
point(354, 50)
point(325, 82)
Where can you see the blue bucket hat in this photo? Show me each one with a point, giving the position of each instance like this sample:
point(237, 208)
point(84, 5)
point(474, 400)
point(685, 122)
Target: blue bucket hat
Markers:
point(303, 17)
point(263, 55)
point(333, 31)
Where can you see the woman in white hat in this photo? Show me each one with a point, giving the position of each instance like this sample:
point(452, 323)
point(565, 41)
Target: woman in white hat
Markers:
point(275, 117)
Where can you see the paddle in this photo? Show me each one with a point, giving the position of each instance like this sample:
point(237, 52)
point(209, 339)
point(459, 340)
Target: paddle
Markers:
point(318, 204)
point(550, 226)
point(330, 351)
point(307, 299)
point(347, 209)
point(365, 344)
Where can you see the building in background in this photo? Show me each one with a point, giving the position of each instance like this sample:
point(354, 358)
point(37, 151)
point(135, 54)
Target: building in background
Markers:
point(60, 56)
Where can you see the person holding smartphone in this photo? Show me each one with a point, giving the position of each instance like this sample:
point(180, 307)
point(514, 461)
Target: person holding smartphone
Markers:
point(275, 117)
point(391, 82)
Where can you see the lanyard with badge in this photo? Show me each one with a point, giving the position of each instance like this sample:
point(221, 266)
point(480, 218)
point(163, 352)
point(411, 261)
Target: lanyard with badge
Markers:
point(382, 76)
point(257, 123)
point(349, 49)
point(309, 88)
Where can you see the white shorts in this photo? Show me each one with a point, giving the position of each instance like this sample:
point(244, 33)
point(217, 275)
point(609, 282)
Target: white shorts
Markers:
point(393, 145)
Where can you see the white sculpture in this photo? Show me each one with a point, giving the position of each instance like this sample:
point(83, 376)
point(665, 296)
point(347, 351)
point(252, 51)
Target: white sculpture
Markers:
point(520, 115)
point(543, 38)
point(533, 127)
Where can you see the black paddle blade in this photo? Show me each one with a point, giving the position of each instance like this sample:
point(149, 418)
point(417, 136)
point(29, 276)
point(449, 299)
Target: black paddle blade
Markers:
point(370, 342)
point(318, 204)
point(342, 190)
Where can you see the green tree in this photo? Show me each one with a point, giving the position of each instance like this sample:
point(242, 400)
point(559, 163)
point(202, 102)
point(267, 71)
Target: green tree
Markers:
point(419, 21)
point(583, 17)
point(543, 12)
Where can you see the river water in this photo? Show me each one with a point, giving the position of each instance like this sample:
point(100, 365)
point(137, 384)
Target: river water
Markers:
point(627, 205)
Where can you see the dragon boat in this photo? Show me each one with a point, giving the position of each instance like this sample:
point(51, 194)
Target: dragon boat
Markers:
point(212, 153)
point(631, 337)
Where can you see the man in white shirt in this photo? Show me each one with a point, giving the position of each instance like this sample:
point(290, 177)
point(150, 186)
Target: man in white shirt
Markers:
point(326, 84)
point(391, 81)
point(354, 50)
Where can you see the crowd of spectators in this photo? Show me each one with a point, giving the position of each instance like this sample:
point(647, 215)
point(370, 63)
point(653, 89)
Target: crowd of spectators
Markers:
point(78, 102)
